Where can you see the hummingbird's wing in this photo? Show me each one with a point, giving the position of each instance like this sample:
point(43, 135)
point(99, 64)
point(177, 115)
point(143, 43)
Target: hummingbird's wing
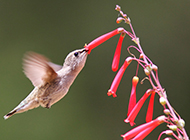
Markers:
point(55, 66)
point(39, 69)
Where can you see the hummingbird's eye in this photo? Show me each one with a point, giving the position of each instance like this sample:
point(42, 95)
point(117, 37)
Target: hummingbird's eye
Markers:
point(76, 54)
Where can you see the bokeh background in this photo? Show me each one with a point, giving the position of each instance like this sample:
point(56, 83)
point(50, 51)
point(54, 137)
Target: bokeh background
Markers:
point(56, 27)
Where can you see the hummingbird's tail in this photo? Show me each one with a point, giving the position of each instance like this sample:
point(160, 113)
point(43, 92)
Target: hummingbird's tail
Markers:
point(10, 114)
point(22, 107)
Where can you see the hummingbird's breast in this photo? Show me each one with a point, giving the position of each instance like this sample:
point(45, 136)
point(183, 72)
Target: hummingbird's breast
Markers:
point(51, 93)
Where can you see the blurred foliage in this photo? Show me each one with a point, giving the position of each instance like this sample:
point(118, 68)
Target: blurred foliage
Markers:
point(54, 28)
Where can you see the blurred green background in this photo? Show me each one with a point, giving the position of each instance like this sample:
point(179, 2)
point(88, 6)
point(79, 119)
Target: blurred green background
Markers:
point(56, 27)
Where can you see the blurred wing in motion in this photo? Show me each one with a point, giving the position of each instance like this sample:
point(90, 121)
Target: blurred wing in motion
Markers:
point(38, 68)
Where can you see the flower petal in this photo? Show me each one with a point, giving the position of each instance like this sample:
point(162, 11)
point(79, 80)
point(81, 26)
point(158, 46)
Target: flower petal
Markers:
point(151, 125)
point(149, 113)
point(116, 58)
point(130, 119)
point(118, 77)
point(102, 39)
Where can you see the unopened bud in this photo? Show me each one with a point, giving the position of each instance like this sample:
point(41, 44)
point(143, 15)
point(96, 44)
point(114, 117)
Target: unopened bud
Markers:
point(167, 111)
point(172, 127)
point(124, 15)
point(168, 138)
point(141, 56)
point(121, 13)
point(119, 20)
point(146, 71)
point(181, 123)
point(162, 101)
point(129, 59)
point(168, 132)
point(118, 8)
point(154, 67)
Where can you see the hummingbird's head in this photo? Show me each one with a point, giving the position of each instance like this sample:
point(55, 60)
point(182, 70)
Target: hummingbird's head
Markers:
point(76, 59)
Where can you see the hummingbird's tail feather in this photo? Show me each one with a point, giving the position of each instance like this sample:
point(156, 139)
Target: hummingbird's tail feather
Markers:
point(22, 107)
point(10, 114)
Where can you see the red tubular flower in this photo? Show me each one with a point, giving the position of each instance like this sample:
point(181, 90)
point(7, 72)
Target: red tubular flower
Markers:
point(140, 132)
point(149, 113)
point(102, 39)
point(116, 58)
point(130, 119)
point(118, 77)
point(132, 100)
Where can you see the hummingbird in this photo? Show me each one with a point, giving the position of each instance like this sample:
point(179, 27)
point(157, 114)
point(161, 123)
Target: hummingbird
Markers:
point(51, 81)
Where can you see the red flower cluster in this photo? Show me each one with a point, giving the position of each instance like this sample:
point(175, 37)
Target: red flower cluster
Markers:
point(174, 121)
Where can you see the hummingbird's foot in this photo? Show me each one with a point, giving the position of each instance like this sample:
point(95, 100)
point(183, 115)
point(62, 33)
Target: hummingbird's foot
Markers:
point(48, 105)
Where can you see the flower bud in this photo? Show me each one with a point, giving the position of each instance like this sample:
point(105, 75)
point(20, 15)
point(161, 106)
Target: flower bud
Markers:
point(167, 111)
point(168, 138)
point(181, 123)
point(118, 8)
point(154, 67)
point(162, 101)
point(141, 56)
point(119, 20)
point(172, 127)
point(124, 15)
point(168, 132)
point(146, 71)
point(121, 13)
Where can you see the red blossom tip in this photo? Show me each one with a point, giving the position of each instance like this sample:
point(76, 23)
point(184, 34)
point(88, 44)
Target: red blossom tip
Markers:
point(135, 80)
point(132, 100)
point(110, 92)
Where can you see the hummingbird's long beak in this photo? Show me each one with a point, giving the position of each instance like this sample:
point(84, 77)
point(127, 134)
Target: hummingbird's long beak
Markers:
point(86, 50)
